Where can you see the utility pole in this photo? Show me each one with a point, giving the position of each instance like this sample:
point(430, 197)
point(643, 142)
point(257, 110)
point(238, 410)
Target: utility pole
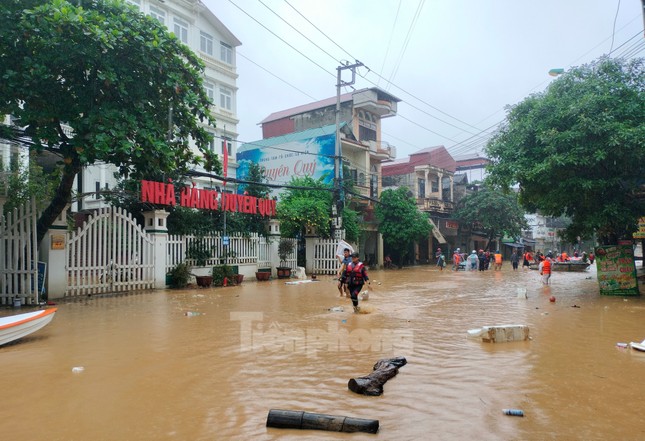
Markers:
point(339, 195)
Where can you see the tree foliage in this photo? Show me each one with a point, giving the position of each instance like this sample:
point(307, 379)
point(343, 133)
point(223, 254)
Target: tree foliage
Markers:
point(578, 149)
point(22, 183)
point(309, 205)
point(306, 206)
point(496, 213)
point(112, 76)
point(400, 222)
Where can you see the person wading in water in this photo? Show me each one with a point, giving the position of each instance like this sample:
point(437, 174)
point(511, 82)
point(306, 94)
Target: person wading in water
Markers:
point(356, 276)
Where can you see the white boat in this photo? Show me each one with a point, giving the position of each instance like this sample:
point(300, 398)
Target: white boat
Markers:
point(14, 327)
point(638, 346)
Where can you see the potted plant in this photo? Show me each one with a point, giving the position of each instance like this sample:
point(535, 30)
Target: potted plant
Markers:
point(263, 274)
point(223, 275)
point(178, 276)
point(285, 247)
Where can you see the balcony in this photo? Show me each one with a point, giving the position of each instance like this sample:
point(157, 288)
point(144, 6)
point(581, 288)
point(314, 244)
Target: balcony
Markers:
point(381, 150)
point(378, 103)
point(435, 205)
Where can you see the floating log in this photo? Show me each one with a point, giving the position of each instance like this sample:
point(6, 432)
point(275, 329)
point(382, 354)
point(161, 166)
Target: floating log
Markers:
point(372, 384)
point(294, 419)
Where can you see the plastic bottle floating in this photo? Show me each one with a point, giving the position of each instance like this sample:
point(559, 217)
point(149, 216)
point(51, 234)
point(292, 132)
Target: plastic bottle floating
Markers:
point(513, 412)
point(192, 314)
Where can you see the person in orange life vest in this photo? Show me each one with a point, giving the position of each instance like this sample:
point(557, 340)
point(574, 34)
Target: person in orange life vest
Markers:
point(565, 256)
point(356, 276)
point(527, 260)
point(545, 270)
point(498, 260)
point(456, 259)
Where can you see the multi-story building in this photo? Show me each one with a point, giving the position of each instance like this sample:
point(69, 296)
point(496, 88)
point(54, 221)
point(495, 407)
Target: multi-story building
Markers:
point(198, 28)
point(429, 174)
point(300, 141)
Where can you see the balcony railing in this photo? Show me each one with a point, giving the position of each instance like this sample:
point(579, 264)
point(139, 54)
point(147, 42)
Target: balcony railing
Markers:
point(382, 149)
point(434, 204)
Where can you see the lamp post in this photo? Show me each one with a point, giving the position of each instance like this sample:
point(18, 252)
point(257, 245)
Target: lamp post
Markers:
point(557, 71)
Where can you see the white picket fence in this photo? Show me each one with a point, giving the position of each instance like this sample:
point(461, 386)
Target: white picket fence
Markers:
point(19, 256)
point(109, 253)
point(242, 249)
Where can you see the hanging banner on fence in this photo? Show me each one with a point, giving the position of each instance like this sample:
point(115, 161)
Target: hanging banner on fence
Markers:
point(616, 270)
point(192, 197)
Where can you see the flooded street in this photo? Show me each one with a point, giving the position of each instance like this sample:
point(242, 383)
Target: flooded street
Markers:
point(153, 373)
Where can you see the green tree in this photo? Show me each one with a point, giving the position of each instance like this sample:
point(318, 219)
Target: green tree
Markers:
point(95, 80)
point(578, 149)
point(400, 222)
point(253, 223)
point(498, 214)
point(25, 182)
point(309, 205)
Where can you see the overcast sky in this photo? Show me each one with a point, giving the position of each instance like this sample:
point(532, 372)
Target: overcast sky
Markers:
point(455, 64)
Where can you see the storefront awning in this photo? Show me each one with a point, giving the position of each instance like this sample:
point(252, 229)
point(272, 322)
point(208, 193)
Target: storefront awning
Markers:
point(514, 245)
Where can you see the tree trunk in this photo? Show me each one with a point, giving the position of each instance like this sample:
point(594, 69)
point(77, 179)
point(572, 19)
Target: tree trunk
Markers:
point(372, 384)
point(61, 198)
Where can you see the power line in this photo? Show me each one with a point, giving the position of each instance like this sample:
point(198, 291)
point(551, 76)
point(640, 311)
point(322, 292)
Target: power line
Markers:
point(292, 27)
point(280, 38)
point(613, 32)
point(275, 76)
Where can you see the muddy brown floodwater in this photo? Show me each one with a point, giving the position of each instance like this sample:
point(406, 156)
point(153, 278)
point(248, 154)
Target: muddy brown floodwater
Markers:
point(153, 373)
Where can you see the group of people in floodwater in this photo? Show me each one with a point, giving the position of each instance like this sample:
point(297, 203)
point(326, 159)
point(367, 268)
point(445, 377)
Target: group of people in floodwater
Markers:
point(474, 261)
point(482, 260)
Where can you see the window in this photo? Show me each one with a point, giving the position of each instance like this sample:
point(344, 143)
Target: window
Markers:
point(181, 30)
point(210, 90)
point(422, 188)
point(136, 3)
point(225, 98)
point(366, 134)
point(354, 176)
point(159, 14)
point(225, 52)
point(206, 43)
point(211, 143)
point(98, 189)
point(374, 182)
point(366, 127)
point(228, 145)
point(435, 185)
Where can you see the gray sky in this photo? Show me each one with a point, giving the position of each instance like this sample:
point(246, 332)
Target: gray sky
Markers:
point(455, 64)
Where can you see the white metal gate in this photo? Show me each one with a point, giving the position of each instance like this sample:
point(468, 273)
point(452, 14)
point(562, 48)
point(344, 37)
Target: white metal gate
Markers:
point(19, 255)
point(109, 253)
point(325, 260)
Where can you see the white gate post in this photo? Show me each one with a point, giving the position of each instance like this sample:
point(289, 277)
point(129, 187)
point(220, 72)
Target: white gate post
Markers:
point(274, 236)
point(53, 253)
point(310, 242)
point(156, 228)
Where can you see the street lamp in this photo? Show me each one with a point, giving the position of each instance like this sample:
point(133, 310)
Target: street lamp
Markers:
point(557, 71)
